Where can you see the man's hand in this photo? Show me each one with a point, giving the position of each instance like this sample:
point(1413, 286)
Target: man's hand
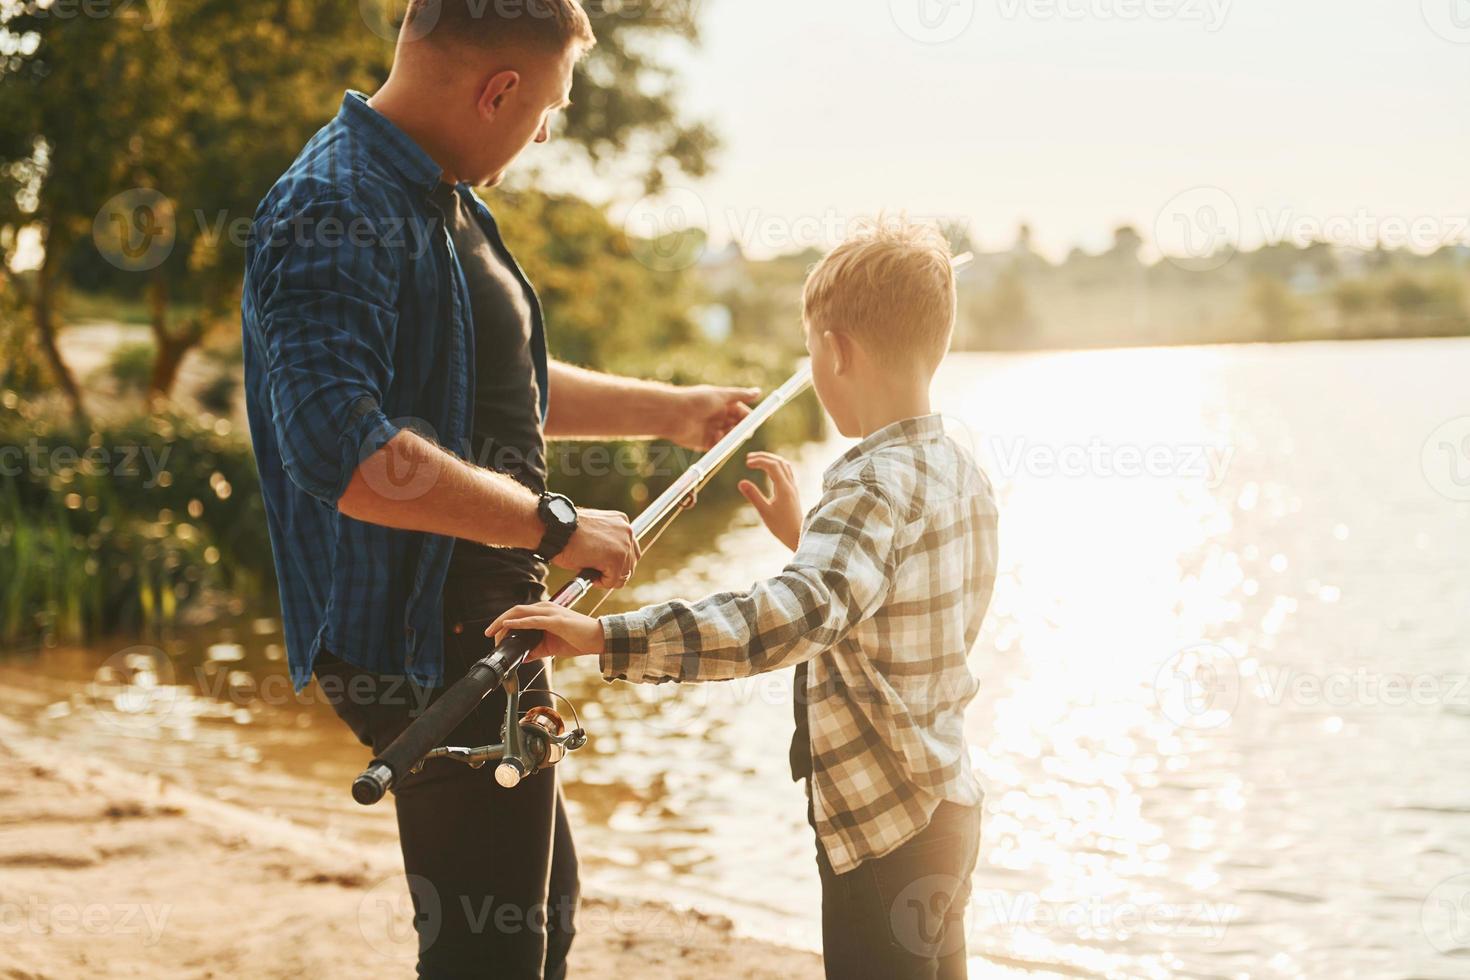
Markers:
point(603, 540)
point(781, 511)
point(568, 633)
point(699, 416)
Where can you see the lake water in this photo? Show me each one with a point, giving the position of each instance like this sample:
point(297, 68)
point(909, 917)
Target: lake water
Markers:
point(1224, 722)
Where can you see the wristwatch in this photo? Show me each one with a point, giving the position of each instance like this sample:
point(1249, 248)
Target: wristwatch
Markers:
point(559, 515)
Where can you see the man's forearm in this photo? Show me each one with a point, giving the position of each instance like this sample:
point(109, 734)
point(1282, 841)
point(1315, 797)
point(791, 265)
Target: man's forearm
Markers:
point(590, 405)
point(414, 485)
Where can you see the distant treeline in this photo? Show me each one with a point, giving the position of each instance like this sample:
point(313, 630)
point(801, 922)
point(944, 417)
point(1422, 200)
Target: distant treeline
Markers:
point(1018, 300)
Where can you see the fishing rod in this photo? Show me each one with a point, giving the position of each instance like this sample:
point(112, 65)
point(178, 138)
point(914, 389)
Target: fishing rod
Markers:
point(539, 739)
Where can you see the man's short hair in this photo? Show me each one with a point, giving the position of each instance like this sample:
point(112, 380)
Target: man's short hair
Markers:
point(551, 25)
point(891, 286)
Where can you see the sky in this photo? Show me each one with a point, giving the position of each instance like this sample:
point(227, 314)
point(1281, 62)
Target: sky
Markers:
point(1266, 119)
point(1199, 122)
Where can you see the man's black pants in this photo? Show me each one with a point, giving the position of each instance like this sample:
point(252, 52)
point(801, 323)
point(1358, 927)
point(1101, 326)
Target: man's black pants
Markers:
point(492, 871)
point(902, 916)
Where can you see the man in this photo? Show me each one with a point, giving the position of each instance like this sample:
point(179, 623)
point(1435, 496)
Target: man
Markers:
point(387, 333)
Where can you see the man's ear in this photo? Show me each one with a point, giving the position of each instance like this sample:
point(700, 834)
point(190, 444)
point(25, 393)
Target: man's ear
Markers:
point(493, 95)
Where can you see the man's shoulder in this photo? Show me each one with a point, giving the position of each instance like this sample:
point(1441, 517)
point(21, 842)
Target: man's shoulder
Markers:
point(336, 170)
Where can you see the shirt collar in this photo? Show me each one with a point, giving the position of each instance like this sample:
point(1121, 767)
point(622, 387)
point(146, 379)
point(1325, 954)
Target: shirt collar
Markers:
point(921, 428)
point(393, 145)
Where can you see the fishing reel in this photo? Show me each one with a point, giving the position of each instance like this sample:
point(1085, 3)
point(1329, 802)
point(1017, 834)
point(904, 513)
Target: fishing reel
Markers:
point(533, 741)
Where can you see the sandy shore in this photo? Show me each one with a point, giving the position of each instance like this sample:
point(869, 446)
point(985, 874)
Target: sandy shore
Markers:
point(107, 873)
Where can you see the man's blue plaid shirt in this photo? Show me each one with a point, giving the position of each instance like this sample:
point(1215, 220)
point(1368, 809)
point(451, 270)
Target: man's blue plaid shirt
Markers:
point(357, 325)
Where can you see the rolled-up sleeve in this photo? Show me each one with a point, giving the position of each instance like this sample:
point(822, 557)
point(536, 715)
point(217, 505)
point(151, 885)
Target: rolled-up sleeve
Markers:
point(327, 286)
point(838, 576)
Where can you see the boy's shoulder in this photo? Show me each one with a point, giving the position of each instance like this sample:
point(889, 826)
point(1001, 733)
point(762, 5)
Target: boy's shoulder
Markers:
point(916, 476)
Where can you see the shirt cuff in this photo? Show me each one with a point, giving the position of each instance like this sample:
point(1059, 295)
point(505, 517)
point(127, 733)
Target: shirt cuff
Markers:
point(624, 647)
point(369, 431)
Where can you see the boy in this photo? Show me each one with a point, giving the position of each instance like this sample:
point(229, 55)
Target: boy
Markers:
point(881, 602)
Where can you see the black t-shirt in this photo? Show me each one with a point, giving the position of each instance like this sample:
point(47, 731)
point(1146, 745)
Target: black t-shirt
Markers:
point(505, 433)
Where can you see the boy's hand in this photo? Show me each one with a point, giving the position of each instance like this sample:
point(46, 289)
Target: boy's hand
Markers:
point(568, 633)
point(782, 509)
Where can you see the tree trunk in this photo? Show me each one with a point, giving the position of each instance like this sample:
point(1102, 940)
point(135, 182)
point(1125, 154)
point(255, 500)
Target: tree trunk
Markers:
point(43, 311)
point(169, 349)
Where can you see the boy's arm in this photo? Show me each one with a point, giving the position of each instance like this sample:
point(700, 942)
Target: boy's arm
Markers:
point(839, 575)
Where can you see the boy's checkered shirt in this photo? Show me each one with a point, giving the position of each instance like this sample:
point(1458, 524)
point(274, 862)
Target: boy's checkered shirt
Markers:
point(884, 598)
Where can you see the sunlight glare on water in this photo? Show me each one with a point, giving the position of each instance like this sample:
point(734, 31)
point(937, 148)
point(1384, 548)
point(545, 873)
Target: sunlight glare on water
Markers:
point(1185, 534)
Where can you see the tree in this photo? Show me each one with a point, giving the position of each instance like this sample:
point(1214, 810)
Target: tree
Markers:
point(154, 129)
point(1275, 306)
point(625, 108)
point(1353, 300)
point(957, 233)
point(151, 129)
point(1126, 244)
point(565, 244)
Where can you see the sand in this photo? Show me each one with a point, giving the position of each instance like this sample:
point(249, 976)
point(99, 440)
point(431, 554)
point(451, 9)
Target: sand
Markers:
point(113, 874)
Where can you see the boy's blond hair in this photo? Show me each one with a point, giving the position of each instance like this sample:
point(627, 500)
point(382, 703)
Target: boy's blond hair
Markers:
point(891, 287)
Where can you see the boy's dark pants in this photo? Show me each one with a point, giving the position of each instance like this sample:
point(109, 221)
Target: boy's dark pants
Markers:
point(902, 915)
point(492, 871)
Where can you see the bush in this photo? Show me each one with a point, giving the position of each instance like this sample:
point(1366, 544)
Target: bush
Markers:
point(123, 526)
point(132, 367)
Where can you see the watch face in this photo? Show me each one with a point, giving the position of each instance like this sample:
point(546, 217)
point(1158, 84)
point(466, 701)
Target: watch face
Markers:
point(562, 509)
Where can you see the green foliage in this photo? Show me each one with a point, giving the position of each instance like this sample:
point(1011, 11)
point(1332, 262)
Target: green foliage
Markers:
point(603, 307)
point(1281, 292)
point(194, 107)
point(626, 93)
point(607, 310)
point(20, 357)
point(219, 393)
point(122, 527)
point(1275, 307)
point(131, 365)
